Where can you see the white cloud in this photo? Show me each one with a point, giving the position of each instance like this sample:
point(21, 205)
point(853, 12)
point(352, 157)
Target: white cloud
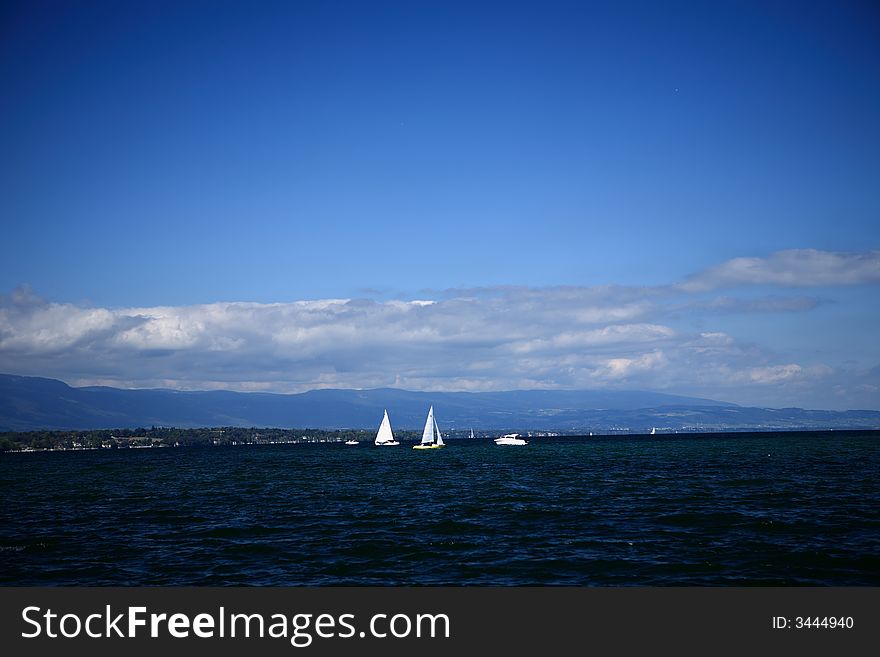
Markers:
point(791, 268)
point(498, 338)
point(775, 374)
point(616, 334)
point(620, 368)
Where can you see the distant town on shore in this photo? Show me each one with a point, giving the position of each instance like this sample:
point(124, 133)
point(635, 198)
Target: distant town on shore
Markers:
point(160, 437)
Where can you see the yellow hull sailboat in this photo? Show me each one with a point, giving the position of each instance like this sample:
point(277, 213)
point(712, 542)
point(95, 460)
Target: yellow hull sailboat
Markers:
point(431, 438)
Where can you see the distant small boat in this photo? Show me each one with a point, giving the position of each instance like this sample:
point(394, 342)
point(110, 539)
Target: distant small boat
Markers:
point(384, 437)
point(653, 430)
point(431, 438)
point(352, 442)
point(510, 439)
point(472, 434)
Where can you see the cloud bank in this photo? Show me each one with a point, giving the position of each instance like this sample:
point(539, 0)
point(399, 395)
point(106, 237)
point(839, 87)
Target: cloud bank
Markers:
point(512, 338)
point(481, 339)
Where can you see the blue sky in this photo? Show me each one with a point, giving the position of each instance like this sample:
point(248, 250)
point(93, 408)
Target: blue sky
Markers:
point(162, 162)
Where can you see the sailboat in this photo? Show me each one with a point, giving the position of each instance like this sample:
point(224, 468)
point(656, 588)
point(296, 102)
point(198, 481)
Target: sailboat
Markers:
point(472, 434)
point(653, 430)
point(384, 437)
point(431, 438)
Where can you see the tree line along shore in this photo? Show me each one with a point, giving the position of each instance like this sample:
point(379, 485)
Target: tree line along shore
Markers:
point(174, 437)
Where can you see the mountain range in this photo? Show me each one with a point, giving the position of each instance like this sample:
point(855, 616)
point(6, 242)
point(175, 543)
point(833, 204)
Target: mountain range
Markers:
point(33, 403)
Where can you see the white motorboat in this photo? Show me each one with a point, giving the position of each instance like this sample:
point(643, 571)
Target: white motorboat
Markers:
point(510, 439)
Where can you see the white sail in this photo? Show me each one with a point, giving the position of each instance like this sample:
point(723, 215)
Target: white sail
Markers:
point(428, 433)
point(472, 434)
point(385, 436)
point(437, 429)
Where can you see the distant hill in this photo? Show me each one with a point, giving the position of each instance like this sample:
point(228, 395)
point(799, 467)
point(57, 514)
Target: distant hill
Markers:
point(31, 403)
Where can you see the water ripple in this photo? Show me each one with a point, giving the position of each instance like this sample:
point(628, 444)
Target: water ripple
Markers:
point(697, 510)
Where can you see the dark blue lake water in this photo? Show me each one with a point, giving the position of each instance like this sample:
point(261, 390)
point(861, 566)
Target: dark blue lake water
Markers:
point(738, 509)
